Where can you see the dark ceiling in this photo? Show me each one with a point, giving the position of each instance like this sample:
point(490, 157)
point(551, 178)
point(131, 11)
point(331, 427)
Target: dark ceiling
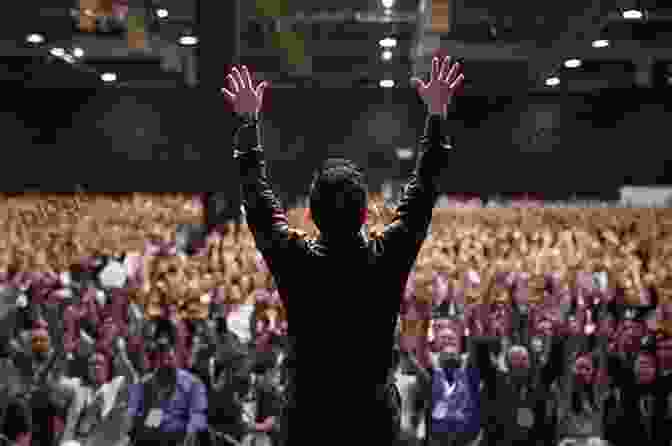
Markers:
point(522, 42)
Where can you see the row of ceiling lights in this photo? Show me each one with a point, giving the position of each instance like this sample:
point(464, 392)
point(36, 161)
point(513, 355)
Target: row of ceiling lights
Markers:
point(36, 39)
point(388, 44)
point(630, 14)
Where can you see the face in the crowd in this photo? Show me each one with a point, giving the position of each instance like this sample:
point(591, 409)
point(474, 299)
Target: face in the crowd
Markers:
point(165, 355)
point(584, 370)
point(538, 345)
point(607, 327)
point(40, 341)
point(545, 328)
point(519, 360)
point(664, 354)
point(98, 368)
point(645, 368)
point(263, 332)
point(499, 319)
point(574, 326)
point(632, 333)
point(25, 338)
point(172, 311)
point(109, 328)
point(448, 341)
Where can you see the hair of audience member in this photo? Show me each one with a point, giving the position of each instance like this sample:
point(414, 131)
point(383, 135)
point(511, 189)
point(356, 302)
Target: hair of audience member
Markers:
point(338, 197)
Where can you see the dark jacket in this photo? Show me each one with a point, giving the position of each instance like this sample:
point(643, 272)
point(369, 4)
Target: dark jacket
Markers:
point(342, 297)
point(626, 418)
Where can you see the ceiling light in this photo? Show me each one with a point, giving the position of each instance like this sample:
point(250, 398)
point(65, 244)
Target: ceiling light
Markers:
point(188, 40)
point(68, 58)
point(388, 42)
point(387, 55)
point(162, 13)
point(57, 52)
point(552, 81)
point(572, 63)
point(108, 77)
point(632, 14)
point(387, 4)
point(78, 52)
point(602, 43)
point(35, 38)
point(404, 153)
point(386, 83)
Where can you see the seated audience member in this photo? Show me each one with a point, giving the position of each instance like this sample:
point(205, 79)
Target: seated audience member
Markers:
point(169, 406)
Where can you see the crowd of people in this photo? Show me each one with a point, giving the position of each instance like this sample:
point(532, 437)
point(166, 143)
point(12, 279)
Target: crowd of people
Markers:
point(469, 332)
point(94, 368)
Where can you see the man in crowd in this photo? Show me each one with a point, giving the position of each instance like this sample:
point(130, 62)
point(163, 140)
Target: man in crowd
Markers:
point(95, 403)
point(169, 407)
point(326, 270)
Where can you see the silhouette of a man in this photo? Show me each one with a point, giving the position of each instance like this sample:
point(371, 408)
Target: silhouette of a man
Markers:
point(342, 290)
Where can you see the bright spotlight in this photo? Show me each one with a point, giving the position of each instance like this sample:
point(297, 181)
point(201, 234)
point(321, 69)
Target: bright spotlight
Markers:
point(572, 63)
point(78, 52)
point(632, 14)
point(108, 77)
point(387, 4)
point(57, 52)
point(387, 55)
point(162, 13)
point(35, 39)
point(552, 81)
point(386, 83)
point(388, 42)
point(188, 40)
point(68, 58)
point(602, 43)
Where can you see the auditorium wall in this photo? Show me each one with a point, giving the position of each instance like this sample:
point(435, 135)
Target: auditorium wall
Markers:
point(155, 139)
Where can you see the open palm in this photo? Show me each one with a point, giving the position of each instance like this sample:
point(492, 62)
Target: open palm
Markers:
point(443, 84)
point(245, 98)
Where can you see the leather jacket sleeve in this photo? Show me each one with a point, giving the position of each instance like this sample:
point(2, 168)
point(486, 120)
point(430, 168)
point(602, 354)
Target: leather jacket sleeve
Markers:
point(403, 238)
point(266, 218)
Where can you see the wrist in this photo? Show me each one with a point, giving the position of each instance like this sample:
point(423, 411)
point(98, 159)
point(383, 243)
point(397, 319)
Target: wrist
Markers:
point(437, 111)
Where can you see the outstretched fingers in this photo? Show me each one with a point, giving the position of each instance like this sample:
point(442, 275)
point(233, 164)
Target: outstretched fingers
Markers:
point(248, 78)
point(444, 69)
point(239, 77)
point(234, 85)
point(230, 96)
point(260, 90)
point(436, 69)
point(452, 74)
point(457, 83)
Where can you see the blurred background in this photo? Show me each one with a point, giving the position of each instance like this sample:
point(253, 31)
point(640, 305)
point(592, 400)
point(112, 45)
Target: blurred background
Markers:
point(563, 100)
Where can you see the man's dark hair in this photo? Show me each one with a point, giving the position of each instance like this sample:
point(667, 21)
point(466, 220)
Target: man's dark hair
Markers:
point(337, 196)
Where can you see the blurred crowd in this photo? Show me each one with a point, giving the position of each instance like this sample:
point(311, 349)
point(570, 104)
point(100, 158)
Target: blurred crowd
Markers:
point(84, 360)
point(519, 331)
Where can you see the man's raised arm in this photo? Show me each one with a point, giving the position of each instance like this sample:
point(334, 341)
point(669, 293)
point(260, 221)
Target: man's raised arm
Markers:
point(265, 216)
point(403, 238)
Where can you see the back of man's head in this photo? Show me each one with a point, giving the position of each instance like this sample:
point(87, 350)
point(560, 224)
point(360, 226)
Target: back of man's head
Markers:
point(338, 197)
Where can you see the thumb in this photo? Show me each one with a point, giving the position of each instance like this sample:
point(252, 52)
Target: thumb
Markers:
point(418, 84)
point(260, 91)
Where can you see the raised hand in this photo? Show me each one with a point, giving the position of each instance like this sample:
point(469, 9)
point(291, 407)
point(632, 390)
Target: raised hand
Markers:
point(444, 82)
point(245, 98)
